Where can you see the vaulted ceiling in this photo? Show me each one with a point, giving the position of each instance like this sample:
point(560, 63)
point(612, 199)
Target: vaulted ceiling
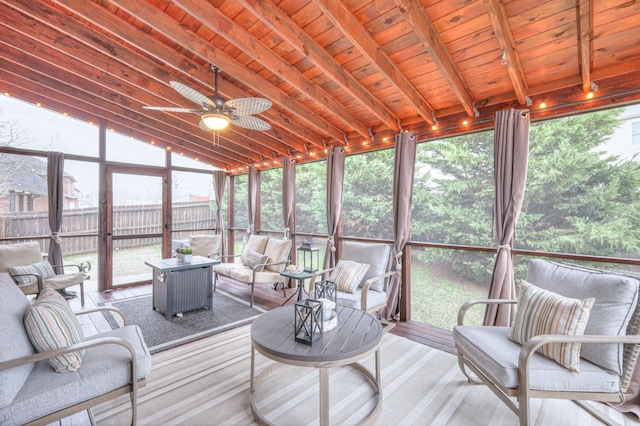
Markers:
point(349, 72)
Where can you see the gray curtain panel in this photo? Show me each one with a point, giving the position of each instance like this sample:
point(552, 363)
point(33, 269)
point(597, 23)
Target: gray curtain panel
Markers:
point(335, 178)
point(254, 194)
point(219, 179)
point(403, 172)
point(288, 195)
point(55, 186)
point(511, 156)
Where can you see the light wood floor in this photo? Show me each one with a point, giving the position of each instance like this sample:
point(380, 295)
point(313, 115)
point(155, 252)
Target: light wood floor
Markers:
point(266, 297)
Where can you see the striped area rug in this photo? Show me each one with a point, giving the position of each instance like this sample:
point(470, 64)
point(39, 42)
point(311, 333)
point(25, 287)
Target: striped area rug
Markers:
point(207, 383)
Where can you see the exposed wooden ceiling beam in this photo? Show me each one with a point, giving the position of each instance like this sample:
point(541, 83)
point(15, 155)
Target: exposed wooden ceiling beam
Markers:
point(63, 50)
point(284, 129)
point(279, 22)
point(239, 37)
point(510, 58)
point(426, 32)
point(585, 39)
point(62, 98)
point(343, 19)
point(182, 35)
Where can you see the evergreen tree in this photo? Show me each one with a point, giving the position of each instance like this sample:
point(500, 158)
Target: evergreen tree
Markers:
point(578, 199)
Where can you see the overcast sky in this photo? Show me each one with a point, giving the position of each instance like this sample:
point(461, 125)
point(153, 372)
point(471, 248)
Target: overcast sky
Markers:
point(46, 130)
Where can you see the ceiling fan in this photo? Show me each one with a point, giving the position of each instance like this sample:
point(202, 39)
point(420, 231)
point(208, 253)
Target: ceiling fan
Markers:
point(216, 113)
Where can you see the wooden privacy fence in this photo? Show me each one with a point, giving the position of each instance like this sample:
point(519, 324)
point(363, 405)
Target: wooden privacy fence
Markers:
point(127, 220)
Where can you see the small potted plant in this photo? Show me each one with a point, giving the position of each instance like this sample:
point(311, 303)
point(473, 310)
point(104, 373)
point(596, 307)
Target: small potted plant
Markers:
point(184, 254)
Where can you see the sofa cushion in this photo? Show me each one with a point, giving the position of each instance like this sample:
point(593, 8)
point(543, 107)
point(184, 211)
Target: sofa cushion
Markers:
point(354, 300)
point(253, 259)
point(205, 245)
point(14, 342)
point(226, 268)
point(42, 268)
point(489, 348)
point(245, 275)
point(616, 298)
point(104, 368)
point(51, 324)
point(19, 254)
point(544, 312)
point(278, 251)
point(347, 275)
point(257, 243)
point(64, 280)
point(374, 254)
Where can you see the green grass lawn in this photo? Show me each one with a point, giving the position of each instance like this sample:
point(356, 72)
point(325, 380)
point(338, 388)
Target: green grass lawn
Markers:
point(436, 294)
point(436, 297)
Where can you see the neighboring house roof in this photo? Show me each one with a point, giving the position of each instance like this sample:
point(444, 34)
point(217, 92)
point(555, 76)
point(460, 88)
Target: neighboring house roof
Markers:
point(21, 173)
point(25, 174)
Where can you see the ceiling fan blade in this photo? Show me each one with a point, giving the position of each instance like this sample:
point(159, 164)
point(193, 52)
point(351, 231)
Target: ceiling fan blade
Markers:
point(250, 122)
point(192, 95)
point(248, 106)
point(173, 109)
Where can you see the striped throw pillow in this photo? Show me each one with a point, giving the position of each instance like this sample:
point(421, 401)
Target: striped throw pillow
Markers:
point(348, 274)
point(51, 324)
point(544, 312)
point(42, 268)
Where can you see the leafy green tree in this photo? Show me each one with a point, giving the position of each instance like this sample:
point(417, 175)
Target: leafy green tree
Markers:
point(578, 199)
point(241, 200)
point(311, 212)
point(452, 200)
point(271, 199)
point(368, 195)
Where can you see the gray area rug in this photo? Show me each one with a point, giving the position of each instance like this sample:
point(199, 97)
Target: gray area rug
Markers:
point(207, 383)
point(161, 334)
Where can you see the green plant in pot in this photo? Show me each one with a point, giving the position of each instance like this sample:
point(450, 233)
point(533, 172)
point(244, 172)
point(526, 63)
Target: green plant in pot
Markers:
point(184, 254)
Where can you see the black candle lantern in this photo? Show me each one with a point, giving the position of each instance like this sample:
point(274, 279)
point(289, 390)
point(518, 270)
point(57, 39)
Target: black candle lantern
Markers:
point(326, 290)
point(308, 321)
point(307, 252)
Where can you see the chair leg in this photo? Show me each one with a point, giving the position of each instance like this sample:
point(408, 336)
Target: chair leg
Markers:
point(82, 294)
point(134, 403)
point(252, 288)
point(594, 413)
point(470, 379)
point(523, 407)
point(215, 281)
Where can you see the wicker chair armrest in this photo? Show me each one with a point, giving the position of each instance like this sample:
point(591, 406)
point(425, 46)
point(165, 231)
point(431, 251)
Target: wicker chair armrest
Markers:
point(317, 274)
point(367, 284)
point(38, 280)
point(84, 266)
point(72, 348)
point(464, 308)
point(228, 256)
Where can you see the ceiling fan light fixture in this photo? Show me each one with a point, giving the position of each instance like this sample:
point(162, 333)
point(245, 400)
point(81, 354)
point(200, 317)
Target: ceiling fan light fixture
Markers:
point(216, 121)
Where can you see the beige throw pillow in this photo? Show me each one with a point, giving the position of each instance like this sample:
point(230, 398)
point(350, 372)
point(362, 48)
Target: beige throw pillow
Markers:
point(278, 251)
point(544, 312)
point(253, 258)
point(348, 274)
point(256, 243)
point(42, 268)
point(51, 324)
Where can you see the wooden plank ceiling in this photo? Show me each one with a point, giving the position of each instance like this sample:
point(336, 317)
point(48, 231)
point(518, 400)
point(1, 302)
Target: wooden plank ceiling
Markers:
point(339, 72)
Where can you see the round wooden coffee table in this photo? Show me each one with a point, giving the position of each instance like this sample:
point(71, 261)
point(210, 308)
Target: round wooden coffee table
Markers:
point(357, 335)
